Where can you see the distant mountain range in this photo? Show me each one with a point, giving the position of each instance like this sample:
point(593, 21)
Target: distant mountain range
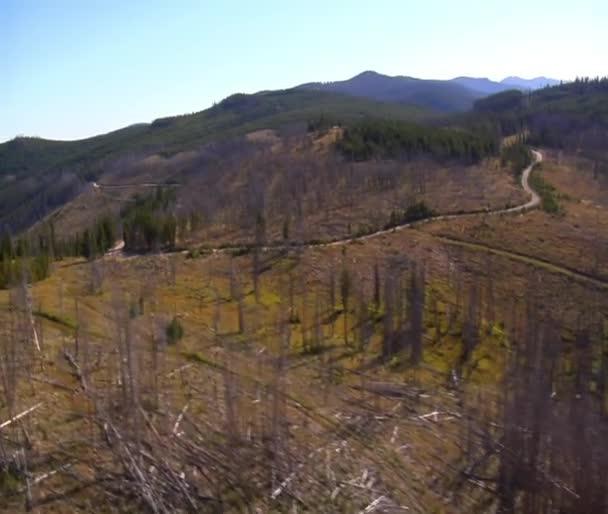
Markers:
point(453, 95)
point(525, 84)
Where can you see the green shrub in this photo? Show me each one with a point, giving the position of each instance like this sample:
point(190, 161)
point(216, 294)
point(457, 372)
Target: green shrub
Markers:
point(414, 212)
point(175, 331)
point(239, 252)
point(195, 253)
point(9, 481)
point(517, 156)
point(198, 253)
point(547, 193)
point(389, 139)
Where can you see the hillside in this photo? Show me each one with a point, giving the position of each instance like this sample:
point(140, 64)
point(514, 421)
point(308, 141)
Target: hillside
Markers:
point(387, 367)
point(271, 306)
point(38, 175)
point(236, 114)
point(371, 295)
point(571, 117)
point(314, 187)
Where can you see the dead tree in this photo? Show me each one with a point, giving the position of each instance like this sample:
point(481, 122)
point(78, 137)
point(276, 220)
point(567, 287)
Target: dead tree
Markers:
point(388, 319)
point(27, 306)
point(233, 279)
point(240, 307)
point(216, 312)
point(490, 308)
point(293, 312)
point(279, 438)
point(260, 238)
point(365, 324)
point(96, 276)
point(376, 298)
point(332, 288)
point(345, 290)
point(470, 332)
point(417, 295)
point(304, 319)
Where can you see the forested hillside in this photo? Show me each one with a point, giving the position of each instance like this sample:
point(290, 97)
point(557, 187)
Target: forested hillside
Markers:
point(571, 116)
point(40, 176)
point(235, 115)
point(390, 140)
point(37, 175)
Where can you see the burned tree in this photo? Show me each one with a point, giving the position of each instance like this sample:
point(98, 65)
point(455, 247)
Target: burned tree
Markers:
point(417, 296)
point(260, 239)
point(345, 291)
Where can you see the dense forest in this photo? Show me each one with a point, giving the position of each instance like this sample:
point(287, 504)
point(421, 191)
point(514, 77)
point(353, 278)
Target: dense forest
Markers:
point(572, 116)
point(149, 224)
point(24, 261)
point(516, 156)
point(382, 139)
point(29, 257)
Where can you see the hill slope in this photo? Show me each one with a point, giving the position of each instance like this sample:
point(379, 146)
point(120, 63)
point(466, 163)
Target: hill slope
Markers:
point(236, 114)
point(571, 116)
point(38, 175)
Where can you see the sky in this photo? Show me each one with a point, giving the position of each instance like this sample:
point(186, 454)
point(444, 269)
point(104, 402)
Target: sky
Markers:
point(71, 69)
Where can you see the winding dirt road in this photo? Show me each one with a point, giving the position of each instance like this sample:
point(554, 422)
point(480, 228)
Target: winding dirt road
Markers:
point(530, 204)
point(131, 186)
point(525, 176)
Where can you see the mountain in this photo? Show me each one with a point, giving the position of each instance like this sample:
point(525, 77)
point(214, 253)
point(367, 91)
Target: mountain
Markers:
point(444, 96)
point(483, 86)
point(528, 84)
point(235, 115)
point(38, 175)
point(439, 95)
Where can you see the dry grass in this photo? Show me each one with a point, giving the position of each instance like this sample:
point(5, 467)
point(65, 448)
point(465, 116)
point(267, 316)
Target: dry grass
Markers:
point(333, 205)
point(341, 422)
point(577, 239)
point(338, 400)
point(350, 212)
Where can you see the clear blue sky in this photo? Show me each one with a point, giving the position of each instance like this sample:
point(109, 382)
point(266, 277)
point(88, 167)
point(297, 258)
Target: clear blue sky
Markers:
point(74, 68)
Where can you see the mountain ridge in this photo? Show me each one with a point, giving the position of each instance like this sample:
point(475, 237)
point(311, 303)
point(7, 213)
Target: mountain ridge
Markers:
point(437, 95)
point(453, 95)
point(530, 84)
point(45, 173)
